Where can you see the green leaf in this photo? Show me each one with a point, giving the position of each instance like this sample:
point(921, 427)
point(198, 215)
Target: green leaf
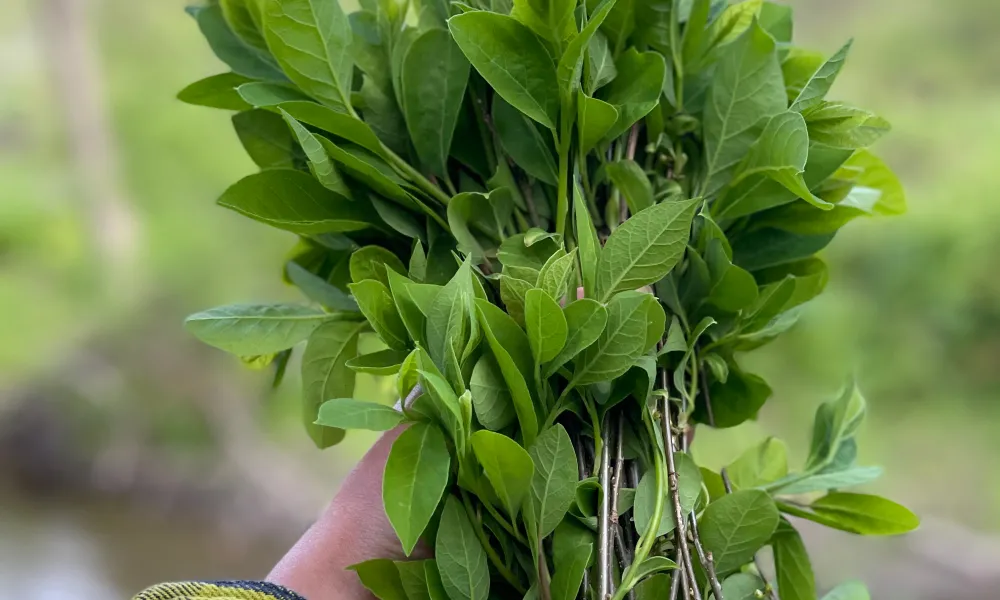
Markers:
point(348, 413)
point(374, 262)
point(568, 577)
point(851, 590)
point(217, 91)
point(415, 478)
point(413, 577)
point(743, 586)
point(600, 63)
point(781, 153)
point(586, 320)
point(514, 252)
point(555, 275)
point(319, 161)
point(382, 363)
point(381, 578)
point(242, 58)
point(654, 587)
point(621, 343)
point(747, 88)
point(526, 77)
point(836, 421)
point(376, 304)
point(311, 39)
point(589, 245)
point(413, 300)
point(633, 183)
point(262, 94)
point(734, 527)
point(843, 126)
point(434, 76)
point(445, 403)
point(255, 329)
point(636, 89)
point(294, 201)
point(645, 248)
point(490, 397)
point(266, 138)
point(546, 325)
point(570, 65)
point(370, 170)
point(318, 289)
point(863, 514)
point(732, 288)
point(569, 538)
point(819, 84)
point(477, 220)
point(734, 21)
point(530, 148)
point(770, 247)
point(735, 401)
point(644, 504)
point(553, 486)
point(764, 463)
point(460, 557)
point(824, 482)
point(507, 466)
point(653, 565)
point(688, 490)
point(450, 324)
point(435, 587)
point(342, 126)
point(512, 351)
point(325, 375)
point(550, 19)
point(791, 562)
point(595, 118)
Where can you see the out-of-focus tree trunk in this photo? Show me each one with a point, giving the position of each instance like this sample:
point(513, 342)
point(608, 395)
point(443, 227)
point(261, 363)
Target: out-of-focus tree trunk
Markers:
point(77, 80)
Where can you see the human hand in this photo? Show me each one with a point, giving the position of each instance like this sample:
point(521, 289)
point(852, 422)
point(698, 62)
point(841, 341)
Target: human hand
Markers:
point(353, 529)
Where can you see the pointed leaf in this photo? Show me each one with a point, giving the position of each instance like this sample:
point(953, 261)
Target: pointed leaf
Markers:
point(294, 201)
point(507, 466)
point(325, 375)
point(416, 475)
point(546, 325)
point(433, 79)
point(512, 60)
point(645, 248)
point(252, 330)
point(311, 40)
point(734, 527)
point(348, 413)
point(461, 559)
point(553, 486)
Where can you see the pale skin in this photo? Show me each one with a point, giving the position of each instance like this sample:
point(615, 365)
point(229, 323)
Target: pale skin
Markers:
point(352, 529)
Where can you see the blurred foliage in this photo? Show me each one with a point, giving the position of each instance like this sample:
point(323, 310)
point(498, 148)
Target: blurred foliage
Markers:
point(913, 305)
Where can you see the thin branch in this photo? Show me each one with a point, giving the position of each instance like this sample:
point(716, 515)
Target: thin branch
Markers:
point(707, 560)
point(604, 532)
point(616, 481)
point(679, 519)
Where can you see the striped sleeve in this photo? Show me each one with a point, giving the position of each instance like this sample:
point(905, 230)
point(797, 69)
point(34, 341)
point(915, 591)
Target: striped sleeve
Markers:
point(218, 590)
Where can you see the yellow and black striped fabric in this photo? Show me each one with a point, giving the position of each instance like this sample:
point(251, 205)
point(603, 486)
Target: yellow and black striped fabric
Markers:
point(218, 590)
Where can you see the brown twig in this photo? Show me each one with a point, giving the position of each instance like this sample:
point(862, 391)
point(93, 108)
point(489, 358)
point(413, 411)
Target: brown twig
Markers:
point(707, 560)
point(685, 564)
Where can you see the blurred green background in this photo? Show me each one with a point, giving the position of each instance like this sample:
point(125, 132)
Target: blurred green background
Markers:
point(130, 454)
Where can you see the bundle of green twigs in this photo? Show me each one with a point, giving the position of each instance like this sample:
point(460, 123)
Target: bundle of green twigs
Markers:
point(563, 222)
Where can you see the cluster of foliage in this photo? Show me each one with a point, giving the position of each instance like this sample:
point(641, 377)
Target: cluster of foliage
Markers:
point(564, 222)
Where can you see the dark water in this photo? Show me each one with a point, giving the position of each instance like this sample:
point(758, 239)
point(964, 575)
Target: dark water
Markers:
point(67, 549)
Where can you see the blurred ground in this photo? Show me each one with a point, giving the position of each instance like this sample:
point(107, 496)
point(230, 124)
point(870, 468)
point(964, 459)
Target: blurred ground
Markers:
point(119, 429)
